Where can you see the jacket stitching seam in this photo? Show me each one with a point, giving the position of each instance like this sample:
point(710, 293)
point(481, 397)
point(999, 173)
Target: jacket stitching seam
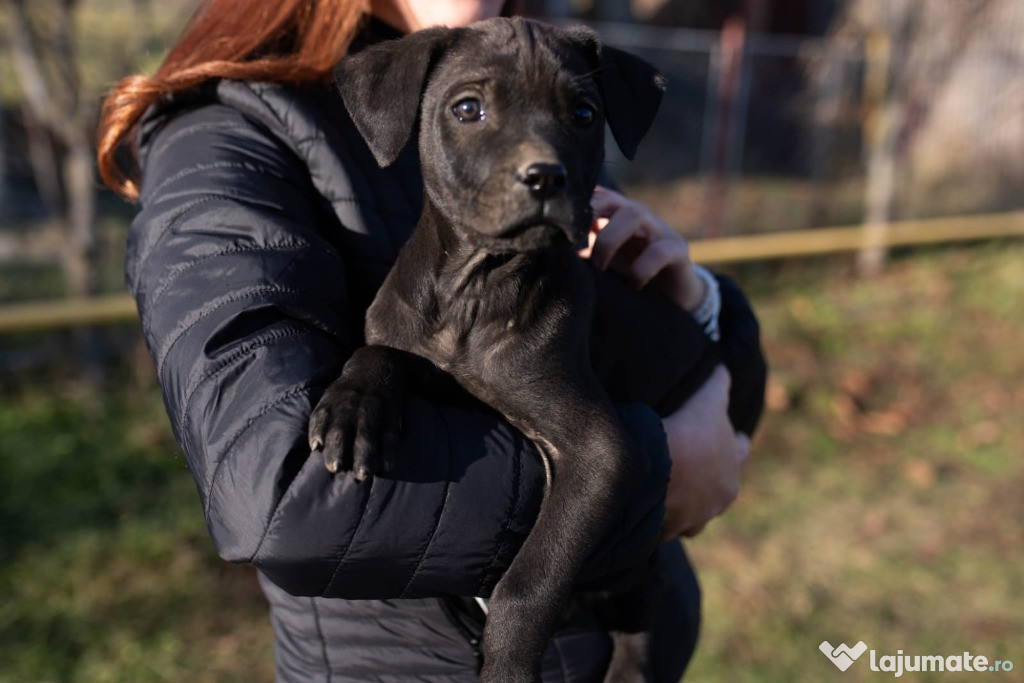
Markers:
point(273, 518)
point(561, 659)
point(297, 144)
point(320, 636)
point(196, 168)
point(355, 532)
point(175, 338)
point(513, 510)
point(227, 363)
point(171, 222)
point(440, 509)
point(266, 408)
point(191, 129)
point(177, 271)
point(182, 211)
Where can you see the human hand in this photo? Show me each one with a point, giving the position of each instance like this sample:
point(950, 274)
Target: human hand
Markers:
point(707, 457)
point(631, 240)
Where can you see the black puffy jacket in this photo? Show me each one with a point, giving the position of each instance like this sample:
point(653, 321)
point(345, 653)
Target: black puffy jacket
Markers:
point(265, 229)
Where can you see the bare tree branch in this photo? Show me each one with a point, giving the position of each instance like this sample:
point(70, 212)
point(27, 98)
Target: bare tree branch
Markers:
point(69, 88)
point(57, 111)
point(31, 75)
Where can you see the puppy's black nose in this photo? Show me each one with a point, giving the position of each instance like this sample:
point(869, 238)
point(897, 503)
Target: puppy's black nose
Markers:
point(544, 180)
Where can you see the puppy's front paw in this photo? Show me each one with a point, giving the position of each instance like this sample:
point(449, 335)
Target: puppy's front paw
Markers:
point(357, 423)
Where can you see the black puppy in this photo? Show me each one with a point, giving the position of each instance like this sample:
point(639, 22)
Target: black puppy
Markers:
point(490, 290)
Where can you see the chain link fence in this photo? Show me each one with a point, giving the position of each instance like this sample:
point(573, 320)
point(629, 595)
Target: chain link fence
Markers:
point(761, 133)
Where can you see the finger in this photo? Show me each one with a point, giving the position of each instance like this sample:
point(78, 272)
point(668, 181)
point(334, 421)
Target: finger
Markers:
point(743, 443)
point(731, 493)
point(626, 223)
point(660, 255)
point(597, 226)
point(694, 530)
point(605, 205)
point(720, 382)
point(627, 219)
point(605, 202)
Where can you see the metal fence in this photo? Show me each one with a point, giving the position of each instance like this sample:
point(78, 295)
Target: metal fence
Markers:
point(762, 132)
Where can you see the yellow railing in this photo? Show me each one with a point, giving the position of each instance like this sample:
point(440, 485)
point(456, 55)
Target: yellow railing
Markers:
point(49, 315)
point(35, 316)
point(832, 240)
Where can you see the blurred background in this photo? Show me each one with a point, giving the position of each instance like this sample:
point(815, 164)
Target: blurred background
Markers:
point(857, 164)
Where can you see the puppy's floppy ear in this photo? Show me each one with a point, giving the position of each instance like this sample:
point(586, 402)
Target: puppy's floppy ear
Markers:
point(382, 85)
point(630, 87)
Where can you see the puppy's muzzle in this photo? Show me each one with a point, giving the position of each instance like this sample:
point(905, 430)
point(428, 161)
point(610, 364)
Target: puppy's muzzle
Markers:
point(549, 214)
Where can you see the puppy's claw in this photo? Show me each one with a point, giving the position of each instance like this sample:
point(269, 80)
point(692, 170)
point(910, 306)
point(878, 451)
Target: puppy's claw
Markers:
point(359, 410)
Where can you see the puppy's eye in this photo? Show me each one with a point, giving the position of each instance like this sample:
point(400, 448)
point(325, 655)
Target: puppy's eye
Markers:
point(468, 110)
point(583, 115)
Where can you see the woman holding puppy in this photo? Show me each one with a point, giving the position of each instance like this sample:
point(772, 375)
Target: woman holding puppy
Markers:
point(264, 230)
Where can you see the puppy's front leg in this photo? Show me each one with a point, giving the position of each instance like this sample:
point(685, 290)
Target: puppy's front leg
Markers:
point(589, 456)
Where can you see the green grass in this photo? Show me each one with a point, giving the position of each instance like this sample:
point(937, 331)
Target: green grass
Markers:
point(106, 572)
point(882, 502)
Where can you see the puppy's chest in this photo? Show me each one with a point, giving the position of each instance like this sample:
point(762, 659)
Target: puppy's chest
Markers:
point(500, 325)
point(483, 317)
point(490, 319)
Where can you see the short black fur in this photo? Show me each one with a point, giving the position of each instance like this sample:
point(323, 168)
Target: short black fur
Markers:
point(489, 290)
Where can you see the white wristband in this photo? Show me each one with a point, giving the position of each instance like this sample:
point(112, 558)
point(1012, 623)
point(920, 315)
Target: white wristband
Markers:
point(706, 314)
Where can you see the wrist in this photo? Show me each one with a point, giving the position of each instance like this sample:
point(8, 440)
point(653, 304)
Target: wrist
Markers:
point(695, 288)
point(707, 310)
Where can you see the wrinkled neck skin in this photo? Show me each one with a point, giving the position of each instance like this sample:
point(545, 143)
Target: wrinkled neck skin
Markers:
point(465, 265)
point(471, 269)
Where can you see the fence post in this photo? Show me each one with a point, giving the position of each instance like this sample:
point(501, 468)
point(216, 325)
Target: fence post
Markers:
point(727, 75)
point(879, 134)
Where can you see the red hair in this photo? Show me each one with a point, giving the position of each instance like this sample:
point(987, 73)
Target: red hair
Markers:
point(280, 41)
point(285, 41)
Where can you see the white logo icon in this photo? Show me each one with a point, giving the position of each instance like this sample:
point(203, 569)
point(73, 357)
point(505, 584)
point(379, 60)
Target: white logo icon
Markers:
point(841, 655)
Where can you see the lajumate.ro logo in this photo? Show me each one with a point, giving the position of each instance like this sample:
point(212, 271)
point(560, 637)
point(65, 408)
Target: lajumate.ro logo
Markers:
point(843, 656)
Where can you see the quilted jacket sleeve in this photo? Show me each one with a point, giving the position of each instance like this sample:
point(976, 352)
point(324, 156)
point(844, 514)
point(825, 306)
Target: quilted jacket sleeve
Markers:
point(245, 311)
point(743, 356)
